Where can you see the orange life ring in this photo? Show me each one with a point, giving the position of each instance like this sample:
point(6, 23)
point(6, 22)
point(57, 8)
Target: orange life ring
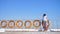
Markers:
point(29, 22)
point(35, 22)
point(10, 22)
point(18, 22)
point(2, 22)
point(45, 27)
point(48, 23)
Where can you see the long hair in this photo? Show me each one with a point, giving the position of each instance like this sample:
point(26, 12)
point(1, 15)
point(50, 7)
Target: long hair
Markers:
point(44, 15)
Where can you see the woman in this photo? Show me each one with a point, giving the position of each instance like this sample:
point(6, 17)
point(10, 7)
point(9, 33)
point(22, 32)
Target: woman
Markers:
point(45, 22)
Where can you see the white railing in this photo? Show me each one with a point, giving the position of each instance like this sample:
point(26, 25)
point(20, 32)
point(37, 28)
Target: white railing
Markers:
point(28, 30)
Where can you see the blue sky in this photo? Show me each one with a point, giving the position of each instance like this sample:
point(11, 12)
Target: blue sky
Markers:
point(30, 9)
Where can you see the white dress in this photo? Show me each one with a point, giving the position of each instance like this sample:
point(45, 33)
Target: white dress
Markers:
point(45, 21)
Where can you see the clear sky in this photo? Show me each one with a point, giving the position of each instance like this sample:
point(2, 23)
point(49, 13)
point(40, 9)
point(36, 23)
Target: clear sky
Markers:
point(30, 9)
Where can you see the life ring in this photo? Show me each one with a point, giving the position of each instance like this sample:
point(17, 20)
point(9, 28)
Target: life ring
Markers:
point(18, 22)
point(35, 22)
point(10, 22)
point(29, 22)
point(45, 27)
point(5, 22)
point(48, 23)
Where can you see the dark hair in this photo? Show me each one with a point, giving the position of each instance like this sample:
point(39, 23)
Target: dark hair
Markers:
point(44, 15)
